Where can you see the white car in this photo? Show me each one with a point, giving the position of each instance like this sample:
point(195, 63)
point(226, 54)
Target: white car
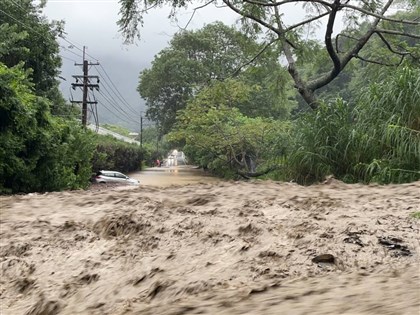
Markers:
point(103, 177)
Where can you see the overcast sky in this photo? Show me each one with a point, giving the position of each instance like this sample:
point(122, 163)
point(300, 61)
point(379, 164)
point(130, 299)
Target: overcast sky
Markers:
point(93, 24)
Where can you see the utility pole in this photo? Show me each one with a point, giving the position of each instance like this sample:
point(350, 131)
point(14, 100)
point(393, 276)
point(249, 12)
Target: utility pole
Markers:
point(85, 89)
point(85, 85)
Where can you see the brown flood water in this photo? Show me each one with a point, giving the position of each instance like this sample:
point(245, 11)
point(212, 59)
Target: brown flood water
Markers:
point(173, 175)
point(223, 248)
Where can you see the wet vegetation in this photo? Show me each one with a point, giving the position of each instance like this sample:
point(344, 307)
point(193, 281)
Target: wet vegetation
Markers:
point(226, 100)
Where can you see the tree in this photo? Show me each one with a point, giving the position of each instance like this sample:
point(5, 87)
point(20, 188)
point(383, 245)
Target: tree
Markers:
point(369, 17)
point(38, 152)
point(27, 37)
point(217, 136)
point(196, 59)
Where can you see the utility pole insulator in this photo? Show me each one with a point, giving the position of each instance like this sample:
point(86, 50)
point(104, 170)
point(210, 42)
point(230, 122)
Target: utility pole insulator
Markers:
point(85, 85)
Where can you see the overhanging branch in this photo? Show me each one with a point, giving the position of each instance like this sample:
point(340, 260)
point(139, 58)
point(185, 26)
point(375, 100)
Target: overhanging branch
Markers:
point(254, 18)
point(398, 33)
point(380, 62)
point(254, 58)
point(248, 175)
point(379, 15)
point(276, 4)
point(310, 20)
point(324, 80)
point(388, 45)
point(328, 41)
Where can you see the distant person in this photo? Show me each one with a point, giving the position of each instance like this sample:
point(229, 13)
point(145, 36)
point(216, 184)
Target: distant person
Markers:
point(157, 163)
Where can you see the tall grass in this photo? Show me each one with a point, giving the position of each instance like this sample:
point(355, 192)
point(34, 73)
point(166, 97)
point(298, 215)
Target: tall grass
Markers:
point(377, 139)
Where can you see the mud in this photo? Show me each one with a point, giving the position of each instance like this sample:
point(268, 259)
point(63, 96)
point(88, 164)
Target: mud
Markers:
point(224, 248)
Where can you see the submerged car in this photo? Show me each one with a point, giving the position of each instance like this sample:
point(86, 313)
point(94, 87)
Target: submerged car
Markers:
point(103, 177)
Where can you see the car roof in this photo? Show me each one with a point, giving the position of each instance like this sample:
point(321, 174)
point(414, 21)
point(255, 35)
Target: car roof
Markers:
point(110, 172)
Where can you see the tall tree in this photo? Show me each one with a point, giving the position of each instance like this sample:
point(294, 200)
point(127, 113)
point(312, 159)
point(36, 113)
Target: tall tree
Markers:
point(219, 137)
point(268, 16)
point(27, 37)
point(197, 59)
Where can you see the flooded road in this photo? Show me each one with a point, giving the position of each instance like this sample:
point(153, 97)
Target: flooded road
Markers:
point(173, 175)
point(227, 248)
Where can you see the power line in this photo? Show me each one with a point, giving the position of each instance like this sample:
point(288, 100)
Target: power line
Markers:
point(68, 58)
point(66, 39)
point(18, 5)
point(110, 111)
point(113, 105)
point(121, 109)
point(69, 42)
point(112, 87)
point(70, 51)
point(36, 32)
point(121, 97)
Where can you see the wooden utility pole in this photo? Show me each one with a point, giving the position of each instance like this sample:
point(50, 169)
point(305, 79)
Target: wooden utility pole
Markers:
point(85, 85)
point(85, 89)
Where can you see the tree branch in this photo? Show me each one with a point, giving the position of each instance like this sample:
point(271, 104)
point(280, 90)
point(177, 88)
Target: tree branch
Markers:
point(259, 21)
point(247, 175)
point(337, 38)
point(253, 58)
point(325, 79)
point(328, 41)
point(388, 45)
point(379, 62)
point(302, 88)
point(379, 16)
point(192, 15)
point(276, 4)
point(392, 32)
point(306, 21)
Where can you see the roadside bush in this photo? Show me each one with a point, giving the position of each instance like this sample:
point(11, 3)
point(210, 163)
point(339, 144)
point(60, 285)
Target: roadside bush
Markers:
point(38, 152)
point(112, 154)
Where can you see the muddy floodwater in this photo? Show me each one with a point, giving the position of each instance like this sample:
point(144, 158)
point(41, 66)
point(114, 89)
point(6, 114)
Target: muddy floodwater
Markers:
point(173, 175)
point(216, 247)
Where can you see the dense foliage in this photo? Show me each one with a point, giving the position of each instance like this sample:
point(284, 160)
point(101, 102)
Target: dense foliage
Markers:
point(377, 139)
point(110, 154)
point(27, 38)
point(290, 24)
point(37, 151)
point(196, 59)
point(365, 129)
point(219, 137)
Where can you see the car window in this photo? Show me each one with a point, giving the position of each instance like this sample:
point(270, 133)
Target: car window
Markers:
point(119, 175)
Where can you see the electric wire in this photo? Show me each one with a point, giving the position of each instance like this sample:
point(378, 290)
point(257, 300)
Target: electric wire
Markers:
point(64, 57)
point(114, 104)
point(121, 97)
point(115, 107)
point(119, 115)
point(93, 111)
point(70, 51)
point(36, 32)
point(110, 111)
